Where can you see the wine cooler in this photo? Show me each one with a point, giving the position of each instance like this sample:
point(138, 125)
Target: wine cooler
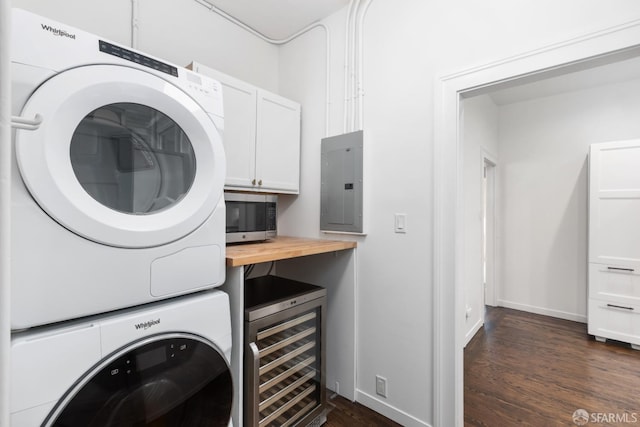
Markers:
point(284, 353)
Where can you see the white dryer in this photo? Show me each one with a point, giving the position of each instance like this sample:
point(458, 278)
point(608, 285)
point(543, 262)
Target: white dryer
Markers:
point(164, 364)
point(117, 186)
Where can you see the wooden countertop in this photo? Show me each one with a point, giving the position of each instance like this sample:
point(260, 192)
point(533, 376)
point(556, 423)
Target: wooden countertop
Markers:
point(281, 247)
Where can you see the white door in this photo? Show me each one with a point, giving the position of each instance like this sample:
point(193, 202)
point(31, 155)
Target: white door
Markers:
point(123, 157)
point(614, 201)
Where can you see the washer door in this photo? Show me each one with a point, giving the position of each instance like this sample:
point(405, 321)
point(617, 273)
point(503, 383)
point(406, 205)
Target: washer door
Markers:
point(177, 380)
point(122, 157)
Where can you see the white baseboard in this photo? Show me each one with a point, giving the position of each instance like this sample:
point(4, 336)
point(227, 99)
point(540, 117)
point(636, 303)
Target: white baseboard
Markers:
point(389, 411)
point(544, 311)
point(473, 331)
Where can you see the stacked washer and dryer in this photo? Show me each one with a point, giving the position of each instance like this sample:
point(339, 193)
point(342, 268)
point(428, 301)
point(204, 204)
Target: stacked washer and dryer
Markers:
point(118, 236)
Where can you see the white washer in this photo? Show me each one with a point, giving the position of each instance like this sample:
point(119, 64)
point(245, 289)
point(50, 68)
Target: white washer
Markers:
point(166, 363)
point(117, 186)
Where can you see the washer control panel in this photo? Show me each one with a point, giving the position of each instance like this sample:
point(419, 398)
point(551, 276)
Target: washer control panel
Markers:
point(158, 355)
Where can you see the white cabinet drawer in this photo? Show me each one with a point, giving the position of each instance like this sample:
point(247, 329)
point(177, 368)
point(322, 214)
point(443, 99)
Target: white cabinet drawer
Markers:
point(614, 321)
point(614, 283)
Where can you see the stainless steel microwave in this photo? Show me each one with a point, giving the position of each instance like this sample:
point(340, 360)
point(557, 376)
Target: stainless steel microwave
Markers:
point(250, 217)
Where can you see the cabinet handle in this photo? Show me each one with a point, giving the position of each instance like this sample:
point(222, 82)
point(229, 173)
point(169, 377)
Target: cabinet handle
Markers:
point(631, 270)
point(260, 182)
point(253, 181)
point(620, 306)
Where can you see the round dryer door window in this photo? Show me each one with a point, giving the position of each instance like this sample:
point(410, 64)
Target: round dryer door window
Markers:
point(132, 158)
point(178, 381)
point(122, 157)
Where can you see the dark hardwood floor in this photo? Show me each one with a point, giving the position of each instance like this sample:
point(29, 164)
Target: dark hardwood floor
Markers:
point(529, 370)
point(352, 414)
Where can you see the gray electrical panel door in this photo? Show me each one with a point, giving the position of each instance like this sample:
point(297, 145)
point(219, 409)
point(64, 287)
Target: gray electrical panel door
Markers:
point(341, 183)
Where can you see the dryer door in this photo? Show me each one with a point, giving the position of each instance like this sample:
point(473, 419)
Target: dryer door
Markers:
point(176, 380)
point(122, 157)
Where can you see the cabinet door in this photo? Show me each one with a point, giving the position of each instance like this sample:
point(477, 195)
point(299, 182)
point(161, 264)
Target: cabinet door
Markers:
point(614, 203)
point(239, 137)
point(278, 144)
point(239, 132)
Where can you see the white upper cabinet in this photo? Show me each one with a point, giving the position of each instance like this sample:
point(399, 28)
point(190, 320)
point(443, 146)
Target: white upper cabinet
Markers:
point(261, 136)
point(278, 143)
point(239, 137)
point(614, 202)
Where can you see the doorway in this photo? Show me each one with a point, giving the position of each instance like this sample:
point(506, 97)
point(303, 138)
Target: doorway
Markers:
point(605, 47)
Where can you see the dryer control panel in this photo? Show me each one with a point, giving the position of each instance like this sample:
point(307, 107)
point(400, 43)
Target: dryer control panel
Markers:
point(136, 57)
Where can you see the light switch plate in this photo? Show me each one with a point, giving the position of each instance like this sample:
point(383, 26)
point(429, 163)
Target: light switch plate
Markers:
point(400, 224)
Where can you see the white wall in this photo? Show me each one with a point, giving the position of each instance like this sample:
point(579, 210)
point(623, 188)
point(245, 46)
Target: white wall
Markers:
point(480, 135)
point(111, 19)
point(303, 79)
point(408, 44)
point(179, 31)
point(543, 178)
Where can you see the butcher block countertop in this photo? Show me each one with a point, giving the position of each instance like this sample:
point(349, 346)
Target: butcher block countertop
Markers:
point(281, 248)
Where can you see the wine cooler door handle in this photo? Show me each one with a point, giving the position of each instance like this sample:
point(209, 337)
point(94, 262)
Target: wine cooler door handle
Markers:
point(252, 414)
point(255, 354)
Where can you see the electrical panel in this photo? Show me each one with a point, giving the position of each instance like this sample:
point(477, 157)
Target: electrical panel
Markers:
point(341, 183)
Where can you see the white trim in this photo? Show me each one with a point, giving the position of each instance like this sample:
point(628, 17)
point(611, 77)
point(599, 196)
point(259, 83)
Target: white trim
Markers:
point(543, 311)
point(356, 330)
point(6, 157)
point(486, 154)
point(389, 411)
point(555, 51)
point(601, 47)
point(473, 331)
point(487, 157)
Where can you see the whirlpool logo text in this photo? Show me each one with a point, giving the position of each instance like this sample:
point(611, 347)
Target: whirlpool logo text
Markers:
point(57, 31)
point(147, 325)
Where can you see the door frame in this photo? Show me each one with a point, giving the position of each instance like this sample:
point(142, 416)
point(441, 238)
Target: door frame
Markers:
point(598, 48)
point(489, 236)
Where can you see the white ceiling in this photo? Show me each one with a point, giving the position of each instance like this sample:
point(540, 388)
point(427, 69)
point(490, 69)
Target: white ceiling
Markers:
point(278, 19)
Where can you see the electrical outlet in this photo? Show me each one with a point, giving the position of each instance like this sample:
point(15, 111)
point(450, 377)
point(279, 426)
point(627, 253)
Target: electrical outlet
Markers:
point(381, 386)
